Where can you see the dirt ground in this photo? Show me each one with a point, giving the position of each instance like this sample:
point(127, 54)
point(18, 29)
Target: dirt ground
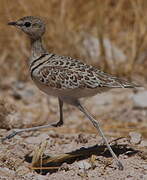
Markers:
point(74, 151)
point(111, 35)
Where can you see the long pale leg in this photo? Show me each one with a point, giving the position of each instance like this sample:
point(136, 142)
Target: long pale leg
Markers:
point(55, 124)
point(97, 126)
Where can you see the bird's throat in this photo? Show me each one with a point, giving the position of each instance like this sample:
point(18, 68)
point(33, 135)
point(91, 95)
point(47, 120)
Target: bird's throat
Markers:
point(37, 48)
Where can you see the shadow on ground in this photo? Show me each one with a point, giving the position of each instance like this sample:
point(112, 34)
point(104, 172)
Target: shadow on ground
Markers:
point(50, 164)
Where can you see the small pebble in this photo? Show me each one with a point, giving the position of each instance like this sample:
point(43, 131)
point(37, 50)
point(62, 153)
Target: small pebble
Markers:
point(36, 140)
point(135, 138)
point(143, 143)
point(7, 172)
point(84, 165)
point(140, 99)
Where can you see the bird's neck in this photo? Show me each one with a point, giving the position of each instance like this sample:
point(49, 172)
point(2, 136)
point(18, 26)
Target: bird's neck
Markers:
point(37, 48)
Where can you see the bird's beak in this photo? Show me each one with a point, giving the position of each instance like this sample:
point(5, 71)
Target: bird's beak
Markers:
point(12, 23)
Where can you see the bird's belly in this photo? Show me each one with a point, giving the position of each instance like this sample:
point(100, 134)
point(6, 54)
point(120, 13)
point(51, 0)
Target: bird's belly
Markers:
point(74, 93)
point(47, 89)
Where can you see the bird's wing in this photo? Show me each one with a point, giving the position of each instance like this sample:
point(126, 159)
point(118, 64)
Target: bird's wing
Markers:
point(107, 80)
point(67, 73)
point(61, 78)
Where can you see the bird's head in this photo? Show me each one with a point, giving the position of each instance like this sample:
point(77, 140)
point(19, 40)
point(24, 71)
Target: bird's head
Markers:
point(33, 26)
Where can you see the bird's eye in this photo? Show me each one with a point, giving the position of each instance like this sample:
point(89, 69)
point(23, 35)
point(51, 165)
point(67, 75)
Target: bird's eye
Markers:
point(27, 24)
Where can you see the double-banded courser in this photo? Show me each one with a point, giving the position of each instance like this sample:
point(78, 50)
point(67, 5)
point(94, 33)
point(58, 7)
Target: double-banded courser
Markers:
point(66, 78)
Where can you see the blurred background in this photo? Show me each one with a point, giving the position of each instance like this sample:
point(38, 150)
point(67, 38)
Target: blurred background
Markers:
point(110, 34)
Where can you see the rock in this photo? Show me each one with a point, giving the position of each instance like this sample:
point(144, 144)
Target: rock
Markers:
point(135, 138)
point(37, 140)
point(92, 48)
point(140, 99)
point(101, 103)
point(36, 176)
point(26, 94)
point(41, 177)
point(22, 170)
point(82, 139)
point(84, 165)
point(19, 85)
point(144, 177)
point(14, 120)
point(143, 143)
point(5, 172)
point(64, 167)
point(145, 167)
point(9, 116)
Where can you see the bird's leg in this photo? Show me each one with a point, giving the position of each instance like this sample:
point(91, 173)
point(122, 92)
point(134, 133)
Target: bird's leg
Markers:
point(55, 124)
point(97, 126)
point(60, 122)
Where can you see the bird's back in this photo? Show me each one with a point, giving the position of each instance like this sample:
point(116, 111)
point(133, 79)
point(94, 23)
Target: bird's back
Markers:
point(61, 74)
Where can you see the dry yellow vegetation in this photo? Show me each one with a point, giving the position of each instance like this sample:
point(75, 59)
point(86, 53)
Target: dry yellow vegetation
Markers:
point(121, 21)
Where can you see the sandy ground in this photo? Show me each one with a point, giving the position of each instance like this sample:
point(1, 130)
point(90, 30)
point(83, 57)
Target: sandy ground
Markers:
point(74, 151)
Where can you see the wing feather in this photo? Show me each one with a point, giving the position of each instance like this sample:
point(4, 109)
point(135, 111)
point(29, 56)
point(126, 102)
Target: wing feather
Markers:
point(67, 73)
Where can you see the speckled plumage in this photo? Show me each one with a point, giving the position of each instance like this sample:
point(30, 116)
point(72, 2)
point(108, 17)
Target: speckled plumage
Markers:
point(61, 73)
point(66, 78)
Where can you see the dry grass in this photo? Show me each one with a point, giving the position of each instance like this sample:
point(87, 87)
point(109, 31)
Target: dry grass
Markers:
point(122, 21)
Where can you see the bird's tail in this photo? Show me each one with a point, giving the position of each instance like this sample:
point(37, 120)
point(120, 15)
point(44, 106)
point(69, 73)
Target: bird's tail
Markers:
point(121, 83)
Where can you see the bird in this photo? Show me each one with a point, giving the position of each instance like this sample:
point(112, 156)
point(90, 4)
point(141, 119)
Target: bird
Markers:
point(64, 77)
